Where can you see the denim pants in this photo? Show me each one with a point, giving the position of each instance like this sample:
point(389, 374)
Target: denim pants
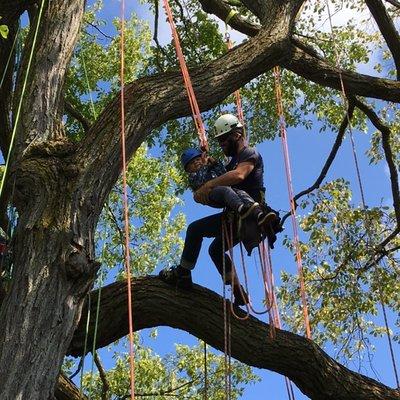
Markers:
point(225, 196)
point(209, 227)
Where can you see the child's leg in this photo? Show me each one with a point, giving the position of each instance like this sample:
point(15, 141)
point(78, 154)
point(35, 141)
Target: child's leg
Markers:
point(225, 196)
point(244, 196)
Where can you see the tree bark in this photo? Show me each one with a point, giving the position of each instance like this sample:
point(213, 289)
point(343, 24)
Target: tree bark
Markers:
point(200, 312)
point(66, 390)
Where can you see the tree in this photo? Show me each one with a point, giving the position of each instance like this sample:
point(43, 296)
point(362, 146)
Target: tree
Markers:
point(60, 184)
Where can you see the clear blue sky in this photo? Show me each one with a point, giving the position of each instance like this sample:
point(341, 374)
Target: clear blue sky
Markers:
point(308, 150)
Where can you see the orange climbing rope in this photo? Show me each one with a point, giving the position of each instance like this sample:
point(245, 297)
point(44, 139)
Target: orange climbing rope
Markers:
point(227, 370)
point(238, 99)
point(125, 203)
point(198, 121)
point(277, 319)
point(282, 127)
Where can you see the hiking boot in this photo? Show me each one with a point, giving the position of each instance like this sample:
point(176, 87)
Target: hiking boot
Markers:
point(177, 276)
point(241, 297)
point(266, 218)
point(249, 209)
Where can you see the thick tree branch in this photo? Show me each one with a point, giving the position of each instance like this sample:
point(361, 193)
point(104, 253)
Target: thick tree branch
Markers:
point(73, 112)
point(200, 313)
point(222, 10)
point(329, 160)
point(306, 63)
point(387, 28)
point(387, 149)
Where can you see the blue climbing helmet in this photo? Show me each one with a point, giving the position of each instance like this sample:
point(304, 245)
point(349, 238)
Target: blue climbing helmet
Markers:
point(188, 155)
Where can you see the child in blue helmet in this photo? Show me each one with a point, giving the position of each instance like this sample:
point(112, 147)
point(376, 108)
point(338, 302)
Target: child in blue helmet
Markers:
point(202, 169)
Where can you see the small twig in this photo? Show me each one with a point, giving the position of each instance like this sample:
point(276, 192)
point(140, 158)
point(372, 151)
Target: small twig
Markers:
point(155, 38)
point(114, 219)
point(313, 38)
point(100, 31)
point(187, 27)
point(70, 109)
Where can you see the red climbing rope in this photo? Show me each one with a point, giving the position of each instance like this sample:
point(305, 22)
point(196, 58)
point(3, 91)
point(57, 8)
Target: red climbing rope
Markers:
point(125, 204)
point(238, 98)
point(225, 310)
point(198, 121)
point(277, 321)
point(282, 126)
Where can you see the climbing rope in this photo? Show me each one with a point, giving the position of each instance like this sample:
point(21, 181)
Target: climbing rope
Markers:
point(96, 324)
point(360, 184)
point(198, 121)
point(82, 366)
point(89, 296)
point(269, 288)
point(225, 312)
point(282, 127)
point(205, 371)
point(125, 204)
point(278, 324)
point(17, 115)
point(238, 99)
point(247, 285)
point(228, 237)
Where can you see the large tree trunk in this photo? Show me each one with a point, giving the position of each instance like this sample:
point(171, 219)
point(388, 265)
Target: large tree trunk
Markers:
point(52, 273)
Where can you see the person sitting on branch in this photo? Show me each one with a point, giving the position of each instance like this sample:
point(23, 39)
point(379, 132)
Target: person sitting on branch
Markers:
point(244, 174)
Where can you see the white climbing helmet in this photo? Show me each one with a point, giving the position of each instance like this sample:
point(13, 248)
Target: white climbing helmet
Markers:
point(225, 123)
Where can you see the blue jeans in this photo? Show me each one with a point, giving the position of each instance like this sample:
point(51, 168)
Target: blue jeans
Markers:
point(225, 196)
point(210, 227)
